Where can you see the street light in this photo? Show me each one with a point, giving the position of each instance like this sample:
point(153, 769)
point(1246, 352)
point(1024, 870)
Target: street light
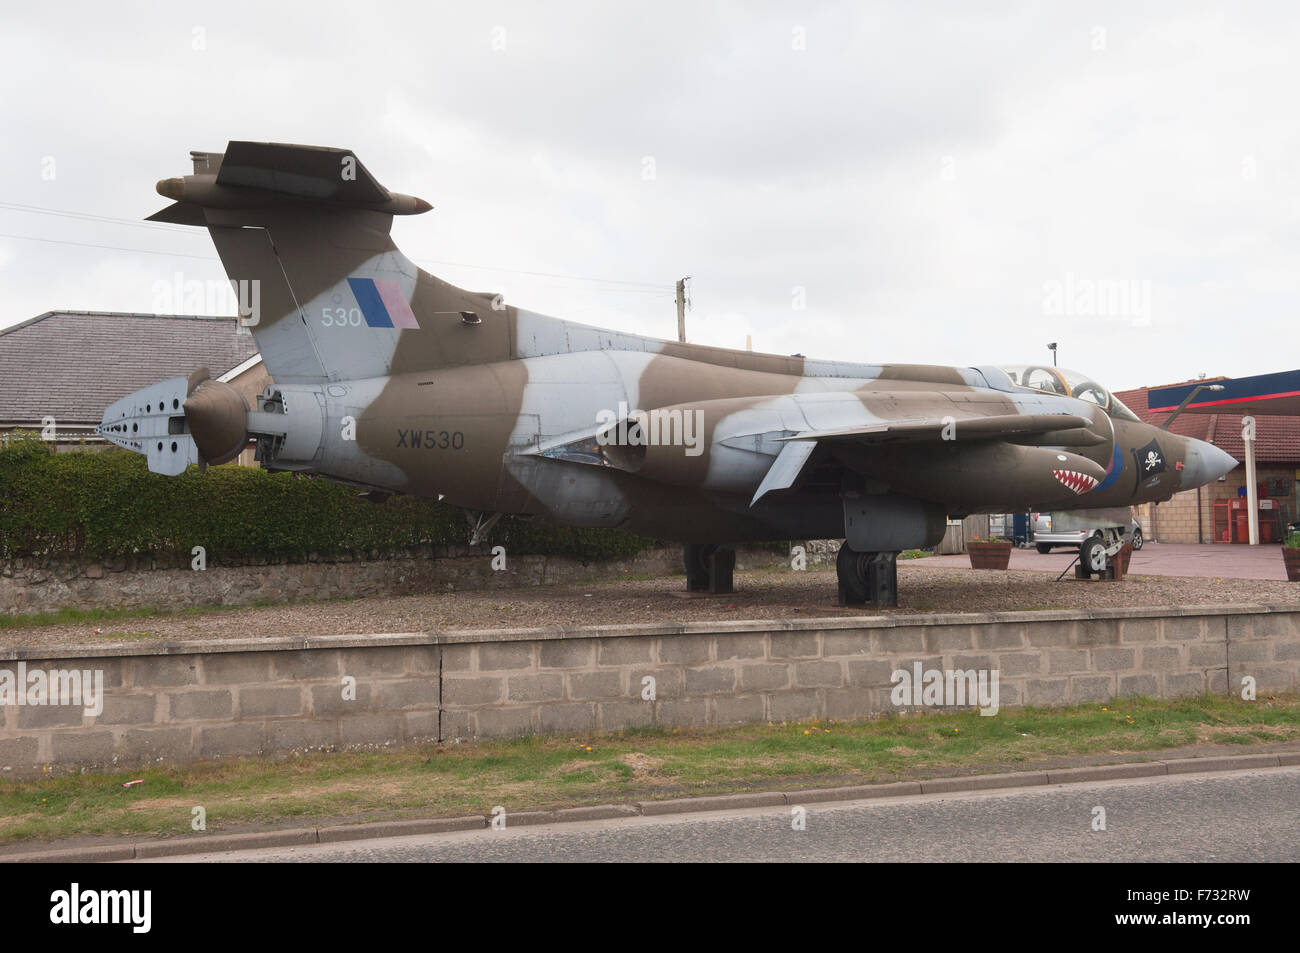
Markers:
point(1052, 347)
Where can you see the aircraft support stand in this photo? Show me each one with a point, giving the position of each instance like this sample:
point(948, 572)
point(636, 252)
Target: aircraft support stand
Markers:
point(709, 568)
point(1097, 556)
point(867, 579)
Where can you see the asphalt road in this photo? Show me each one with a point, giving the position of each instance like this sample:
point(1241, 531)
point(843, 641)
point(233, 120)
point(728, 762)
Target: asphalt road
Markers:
point(1240, 816)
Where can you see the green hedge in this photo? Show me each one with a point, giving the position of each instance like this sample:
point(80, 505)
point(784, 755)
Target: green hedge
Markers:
point(106, 505)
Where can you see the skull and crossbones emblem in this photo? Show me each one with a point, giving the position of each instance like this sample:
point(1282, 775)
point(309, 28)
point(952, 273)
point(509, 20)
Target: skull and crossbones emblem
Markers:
point(1152, 461)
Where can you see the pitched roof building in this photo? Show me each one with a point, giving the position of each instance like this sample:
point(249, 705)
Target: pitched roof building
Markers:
point(1211, 513)
point(70, 365)
point(1277, 439)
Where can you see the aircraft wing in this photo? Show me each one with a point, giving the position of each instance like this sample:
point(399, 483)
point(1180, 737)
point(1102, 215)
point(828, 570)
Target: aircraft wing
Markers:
point(1058, 430)
point(999, 427)
point(773, 444)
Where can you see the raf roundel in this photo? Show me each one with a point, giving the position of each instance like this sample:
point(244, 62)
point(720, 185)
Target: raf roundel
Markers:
point(382, 303)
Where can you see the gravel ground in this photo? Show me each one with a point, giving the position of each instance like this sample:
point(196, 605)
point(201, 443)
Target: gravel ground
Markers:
point(762, 595)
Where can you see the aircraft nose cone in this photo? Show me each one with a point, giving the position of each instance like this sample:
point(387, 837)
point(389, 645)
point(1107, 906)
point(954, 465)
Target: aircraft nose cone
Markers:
point(1206, 463)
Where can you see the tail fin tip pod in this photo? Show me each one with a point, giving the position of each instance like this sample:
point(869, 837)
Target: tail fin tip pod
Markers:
point(250, 175)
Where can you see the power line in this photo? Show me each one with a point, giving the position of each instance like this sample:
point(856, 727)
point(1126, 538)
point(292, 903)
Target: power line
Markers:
point(168, 254)
point(542, 274)
point(91, 217)
point(184, 229)
point(140, 251)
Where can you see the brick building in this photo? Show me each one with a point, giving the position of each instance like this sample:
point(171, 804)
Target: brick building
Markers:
point(1190, 517)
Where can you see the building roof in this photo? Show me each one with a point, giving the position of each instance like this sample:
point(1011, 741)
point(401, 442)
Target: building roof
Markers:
point(1277, 439)
point(70, 365)
point(1276, 394)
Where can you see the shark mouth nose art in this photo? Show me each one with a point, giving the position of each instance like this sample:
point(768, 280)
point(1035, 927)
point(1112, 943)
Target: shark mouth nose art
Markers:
point(1076, 481)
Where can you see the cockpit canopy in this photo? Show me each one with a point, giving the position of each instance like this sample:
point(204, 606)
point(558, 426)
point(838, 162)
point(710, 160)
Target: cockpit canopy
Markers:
point(1059, 380)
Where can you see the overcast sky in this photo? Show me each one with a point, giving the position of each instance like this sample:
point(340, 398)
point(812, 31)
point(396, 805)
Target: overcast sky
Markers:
point(954, 183)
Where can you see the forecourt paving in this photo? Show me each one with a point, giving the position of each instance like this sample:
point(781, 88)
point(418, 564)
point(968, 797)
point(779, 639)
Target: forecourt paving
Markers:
point(1211, 560)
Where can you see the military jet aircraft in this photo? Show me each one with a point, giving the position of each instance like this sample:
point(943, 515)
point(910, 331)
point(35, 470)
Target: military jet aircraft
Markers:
point(387, 378)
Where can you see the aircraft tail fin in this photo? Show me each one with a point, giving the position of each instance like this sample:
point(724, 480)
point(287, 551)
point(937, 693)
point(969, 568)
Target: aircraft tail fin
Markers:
point(303, 233)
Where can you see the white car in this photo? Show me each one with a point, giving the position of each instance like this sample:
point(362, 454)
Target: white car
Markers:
point(1045, 540)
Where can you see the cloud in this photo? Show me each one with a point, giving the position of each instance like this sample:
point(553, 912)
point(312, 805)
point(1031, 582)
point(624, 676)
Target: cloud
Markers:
point(920, 172)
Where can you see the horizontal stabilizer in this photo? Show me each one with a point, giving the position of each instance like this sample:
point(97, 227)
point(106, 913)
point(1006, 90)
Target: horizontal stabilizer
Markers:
point(311, 172)
point(258, 175)
point(180, 213)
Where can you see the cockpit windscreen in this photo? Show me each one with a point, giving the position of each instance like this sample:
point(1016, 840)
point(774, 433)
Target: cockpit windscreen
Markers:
point(1067, 383)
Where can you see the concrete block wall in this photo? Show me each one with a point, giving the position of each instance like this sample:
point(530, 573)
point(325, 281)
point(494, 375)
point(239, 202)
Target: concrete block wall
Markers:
point(210, 701)
point(198, 701)
point(746, 672)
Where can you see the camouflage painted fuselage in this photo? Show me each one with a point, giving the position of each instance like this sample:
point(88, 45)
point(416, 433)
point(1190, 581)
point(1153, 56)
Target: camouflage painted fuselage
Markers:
point(389, 378)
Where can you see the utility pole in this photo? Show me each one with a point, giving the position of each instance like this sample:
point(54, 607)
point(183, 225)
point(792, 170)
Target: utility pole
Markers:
point(681, 308)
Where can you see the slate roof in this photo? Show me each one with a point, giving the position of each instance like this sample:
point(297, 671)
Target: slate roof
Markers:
point(70, 365)
point(1277, 439)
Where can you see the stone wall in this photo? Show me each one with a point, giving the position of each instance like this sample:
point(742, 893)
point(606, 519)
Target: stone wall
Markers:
point(199, 701)
point(30, 586)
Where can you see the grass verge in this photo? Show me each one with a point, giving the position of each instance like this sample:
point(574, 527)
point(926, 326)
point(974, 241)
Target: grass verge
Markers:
point(548, 772)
